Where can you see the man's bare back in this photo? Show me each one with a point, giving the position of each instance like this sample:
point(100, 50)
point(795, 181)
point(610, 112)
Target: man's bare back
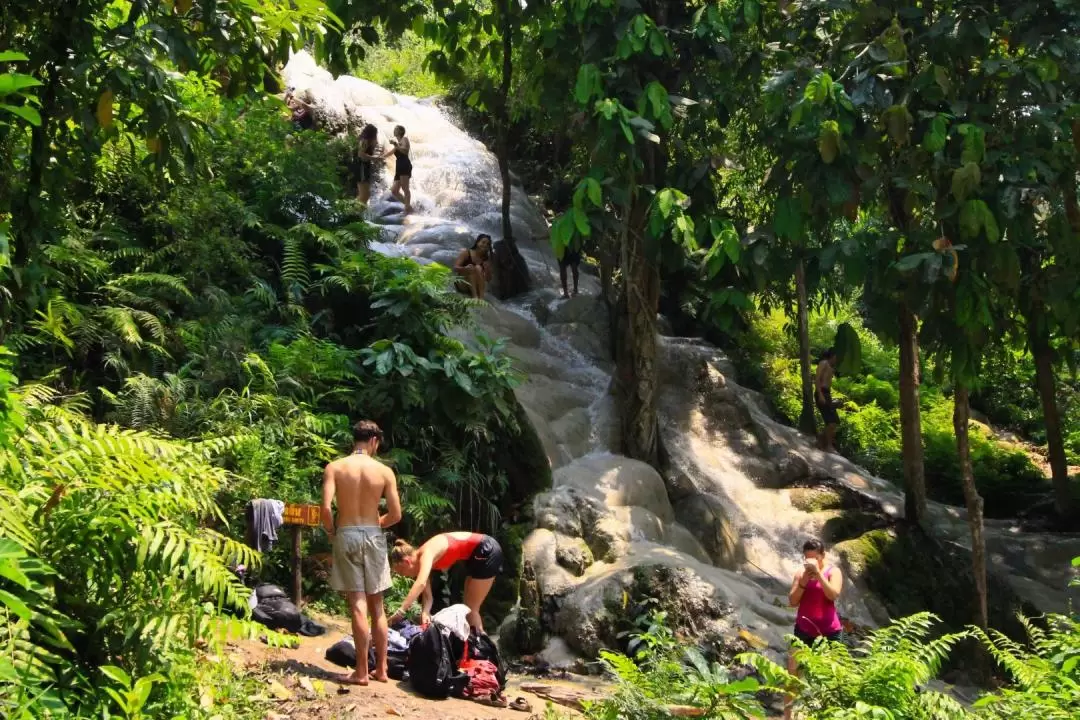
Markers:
point(358, 482)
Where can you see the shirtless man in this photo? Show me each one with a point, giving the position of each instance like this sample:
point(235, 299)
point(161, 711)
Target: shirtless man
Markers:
point(361, 569)
point(823, 399)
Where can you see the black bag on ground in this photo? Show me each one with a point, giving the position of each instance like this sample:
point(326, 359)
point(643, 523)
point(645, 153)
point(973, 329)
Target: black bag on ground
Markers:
point(432, 666)
point(343, 653)
point(481, 647)
point(277, 612)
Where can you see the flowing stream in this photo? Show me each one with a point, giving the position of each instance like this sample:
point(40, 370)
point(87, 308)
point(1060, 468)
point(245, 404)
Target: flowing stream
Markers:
point(723, 510)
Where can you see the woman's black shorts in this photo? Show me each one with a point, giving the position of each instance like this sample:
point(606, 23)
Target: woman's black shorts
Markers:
point(809, 639)
point(486, 561)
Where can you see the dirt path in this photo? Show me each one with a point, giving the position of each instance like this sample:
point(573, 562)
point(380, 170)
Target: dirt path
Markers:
point(298, 682)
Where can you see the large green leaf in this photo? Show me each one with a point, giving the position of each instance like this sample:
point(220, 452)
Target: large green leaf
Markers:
point(848, 348)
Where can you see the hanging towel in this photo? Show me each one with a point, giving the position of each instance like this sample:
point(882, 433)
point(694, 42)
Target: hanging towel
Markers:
point(264, 517)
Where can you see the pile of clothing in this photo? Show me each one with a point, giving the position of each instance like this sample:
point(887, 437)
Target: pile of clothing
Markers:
point(444, 658)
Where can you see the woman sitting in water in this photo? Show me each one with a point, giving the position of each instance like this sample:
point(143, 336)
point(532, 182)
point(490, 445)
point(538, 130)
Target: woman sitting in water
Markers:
point(363, 169)
point(399, 148)
point(483, 561)
point(474, 267)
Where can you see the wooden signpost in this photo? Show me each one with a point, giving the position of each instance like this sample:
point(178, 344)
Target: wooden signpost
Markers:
point(299, 517)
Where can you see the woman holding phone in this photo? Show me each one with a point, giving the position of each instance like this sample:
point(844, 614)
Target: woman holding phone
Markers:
point(814, 591)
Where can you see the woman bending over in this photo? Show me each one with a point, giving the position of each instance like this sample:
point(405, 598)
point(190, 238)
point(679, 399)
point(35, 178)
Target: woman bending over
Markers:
point(483, 560)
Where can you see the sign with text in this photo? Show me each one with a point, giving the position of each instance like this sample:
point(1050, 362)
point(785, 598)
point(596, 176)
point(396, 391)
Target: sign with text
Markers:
point(308, 515)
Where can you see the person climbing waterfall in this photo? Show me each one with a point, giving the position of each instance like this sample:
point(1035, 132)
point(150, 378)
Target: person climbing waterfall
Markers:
point(483, 558)
point(474, 267)
point(363, 169)
point(570, 258)
point(826, 368)
point(814, 592)
point(399, 148)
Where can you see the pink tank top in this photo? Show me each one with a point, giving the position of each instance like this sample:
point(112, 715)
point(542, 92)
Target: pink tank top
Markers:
point(817, 614)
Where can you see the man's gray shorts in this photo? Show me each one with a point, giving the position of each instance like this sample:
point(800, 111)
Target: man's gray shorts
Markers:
point(360, 561)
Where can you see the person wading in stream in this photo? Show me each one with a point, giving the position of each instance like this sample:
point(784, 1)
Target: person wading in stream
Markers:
point(399, 148)
point(474, 267)
point(483, 559)
point(814, 591)
point(363, 167)
point(360, 568)
point(826, 368)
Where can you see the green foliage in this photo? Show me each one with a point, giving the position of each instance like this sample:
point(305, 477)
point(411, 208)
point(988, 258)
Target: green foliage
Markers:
point(661, 672)
point(1045, 672)
point(400, 66)
point(870, 421)
point(882, 677)
point(104, 562)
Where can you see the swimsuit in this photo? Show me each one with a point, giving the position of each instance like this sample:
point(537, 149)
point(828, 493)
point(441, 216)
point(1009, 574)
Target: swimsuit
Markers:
point(482, 553)
point(361, 168)
point(404, 165)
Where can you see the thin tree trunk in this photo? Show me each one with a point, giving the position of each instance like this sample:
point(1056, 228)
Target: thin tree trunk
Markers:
point(974, 503)
point(636, 347)
point(1044, 380)
point(504, 117)
point(511, 270)
point(911, 420)
point(807, 422)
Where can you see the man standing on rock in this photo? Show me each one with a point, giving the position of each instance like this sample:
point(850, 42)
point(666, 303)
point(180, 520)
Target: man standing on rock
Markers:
point(361, 569)
point(823, 399)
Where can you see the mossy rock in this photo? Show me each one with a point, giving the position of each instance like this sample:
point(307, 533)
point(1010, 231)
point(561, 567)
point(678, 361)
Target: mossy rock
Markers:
point(816, 499)
point(504, 592)
point(574, 555)
point(842, 525)
point(522, 458)
point(912, 572)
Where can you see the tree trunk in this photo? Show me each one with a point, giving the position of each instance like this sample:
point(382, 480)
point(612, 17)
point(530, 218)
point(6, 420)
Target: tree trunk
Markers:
point(974, 503)
point(911, 420)
point(635, 357)
point(1044, 380)
point(512, 274)
point(807, 422)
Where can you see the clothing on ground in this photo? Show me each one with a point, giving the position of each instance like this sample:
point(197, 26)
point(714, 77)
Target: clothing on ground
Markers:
point(263, 518)
point(454, 619)
point(483, 679)
point(817, 613)
point(360, 560)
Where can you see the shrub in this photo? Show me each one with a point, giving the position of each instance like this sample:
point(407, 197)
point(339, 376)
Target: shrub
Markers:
point(106, 575)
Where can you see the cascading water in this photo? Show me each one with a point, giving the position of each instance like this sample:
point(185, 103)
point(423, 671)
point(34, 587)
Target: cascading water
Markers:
point(730, 463)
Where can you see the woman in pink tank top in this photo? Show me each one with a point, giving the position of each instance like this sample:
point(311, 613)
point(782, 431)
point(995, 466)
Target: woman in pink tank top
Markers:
point(814, 591)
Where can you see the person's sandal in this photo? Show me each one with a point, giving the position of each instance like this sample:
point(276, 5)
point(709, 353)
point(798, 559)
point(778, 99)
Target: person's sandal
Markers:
point(521, 704)
point(493, 701)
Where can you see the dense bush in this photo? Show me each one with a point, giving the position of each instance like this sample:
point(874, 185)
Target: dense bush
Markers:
point(107, 577)
point(869, 431)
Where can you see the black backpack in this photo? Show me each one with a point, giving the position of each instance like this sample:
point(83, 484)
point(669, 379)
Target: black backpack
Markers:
point(481, 647)
point(432, 665)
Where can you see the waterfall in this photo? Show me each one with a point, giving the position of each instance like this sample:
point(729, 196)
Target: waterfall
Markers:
point(722, 519)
